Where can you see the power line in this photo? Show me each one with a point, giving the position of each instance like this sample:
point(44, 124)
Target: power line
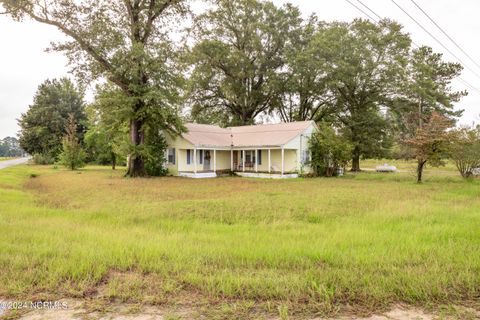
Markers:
point(465, 82)
point(438, 41)
point(359, 9)
point(368, 8)
point(380, 18)
point(468, 84)
point(445, 33)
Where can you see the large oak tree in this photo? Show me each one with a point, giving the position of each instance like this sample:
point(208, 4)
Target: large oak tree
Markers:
point(367, 65)
point(126, 42)
point(238, 55)
point(305, 85)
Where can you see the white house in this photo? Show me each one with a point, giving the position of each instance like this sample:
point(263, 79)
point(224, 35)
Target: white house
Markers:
point(266, 150)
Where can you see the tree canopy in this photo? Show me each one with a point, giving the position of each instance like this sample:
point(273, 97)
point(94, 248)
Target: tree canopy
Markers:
point(426, 89)
point(238, 56)
point(43, 125)
point(367, 63)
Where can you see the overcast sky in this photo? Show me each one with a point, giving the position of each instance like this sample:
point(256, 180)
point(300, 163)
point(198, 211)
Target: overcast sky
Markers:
point(24, 64)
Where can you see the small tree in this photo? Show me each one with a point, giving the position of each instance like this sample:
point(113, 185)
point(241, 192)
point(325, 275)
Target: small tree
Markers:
point(72, 156)
point(329, 152)
point(465, 150)
point(430, 143)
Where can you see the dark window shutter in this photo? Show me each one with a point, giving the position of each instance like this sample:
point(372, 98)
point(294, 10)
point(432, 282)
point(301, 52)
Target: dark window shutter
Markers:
point(188, 156)
point(259, 157)
point(201, 156)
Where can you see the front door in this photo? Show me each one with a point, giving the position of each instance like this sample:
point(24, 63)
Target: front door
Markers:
point(206, 160)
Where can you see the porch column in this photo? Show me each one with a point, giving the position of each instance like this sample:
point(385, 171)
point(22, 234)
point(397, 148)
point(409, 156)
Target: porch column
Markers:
point(269, 162)
point(231, 159)
point(243, 160)
point(195, 160)
point(256, 160)
point(214, 160)
point(283, 161)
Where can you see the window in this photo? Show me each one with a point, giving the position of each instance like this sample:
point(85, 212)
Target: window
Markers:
point(259, 157)
point(189, 155)
point(171, 156)
point(200, 153)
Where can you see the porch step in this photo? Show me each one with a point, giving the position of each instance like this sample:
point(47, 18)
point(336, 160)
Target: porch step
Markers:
point(267, 175)
point(198, 175)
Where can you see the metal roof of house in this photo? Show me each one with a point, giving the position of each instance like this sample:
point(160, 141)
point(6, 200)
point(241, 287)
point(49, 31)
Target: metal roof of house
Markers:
point(244, 136)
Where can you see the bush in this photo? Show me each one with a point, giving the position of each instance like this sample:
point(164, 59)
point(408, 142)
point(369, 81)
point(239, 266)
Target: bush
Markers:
point(330, 152)
point(43, 159)
point(155, 153)
point(464, 150)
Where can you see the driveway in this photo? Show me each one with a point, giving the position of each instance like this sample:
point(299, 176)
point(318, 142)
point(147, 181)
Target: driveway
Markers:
point(14, 162)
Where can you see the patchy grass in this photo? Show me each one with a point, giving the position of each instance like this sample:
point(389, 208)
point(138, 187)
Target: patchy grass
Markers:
point(240, 246)
point(6, 158)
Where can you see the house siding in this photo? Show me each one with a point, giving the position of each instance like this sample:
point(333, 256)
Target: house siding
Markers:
point(300, 143)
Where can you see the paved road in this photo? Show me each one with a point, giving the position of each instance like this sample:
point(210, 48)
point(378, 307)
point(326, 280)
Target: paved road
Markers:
point(14, 162)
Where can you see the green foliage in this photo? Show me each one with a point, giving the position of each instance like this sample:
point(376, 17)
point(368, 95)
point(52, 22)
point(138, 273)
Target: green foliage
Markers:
point(107, 137)
point(464, 150)
point(73, 155)
point(237, 58)
point(43, 125)
point(43, 159)
point(426, 90)
point(329, 151)
point(98, 147)
point(305, 86)
point(155, 153)
point(366, 63)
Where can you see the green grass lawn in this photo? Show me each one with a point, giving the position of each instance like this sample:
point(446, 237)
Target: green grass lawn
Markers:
point(6, 158)
point(309, 246)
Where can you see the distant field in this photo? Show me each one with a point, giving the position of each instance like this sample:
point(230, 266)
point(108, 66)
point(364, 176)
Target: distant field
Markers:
point(6, 158)
point(232, 245)
point(410, 166)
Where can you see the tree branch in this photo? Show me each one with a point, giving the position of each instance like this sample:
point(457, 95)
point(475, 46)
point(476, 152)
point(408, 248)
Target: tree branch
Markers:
point(84, 45)
point(152, 16)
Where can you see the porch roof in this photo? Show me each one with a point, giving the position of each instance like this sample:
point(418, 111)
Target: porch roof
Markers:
point(244, 136)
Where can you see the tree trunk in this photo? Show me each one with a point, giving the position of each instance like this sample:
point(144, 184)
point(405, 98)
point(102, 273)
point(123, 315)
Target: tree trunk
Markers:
point(114, 160)
point(136, 163)
point(356, 160)
point(420, 166)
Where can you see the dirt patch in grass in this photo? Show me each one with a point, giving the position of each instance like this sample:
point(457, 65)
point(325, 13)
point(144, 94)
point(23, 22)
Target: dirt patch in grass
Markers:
point(130, 295)
point(92, 309)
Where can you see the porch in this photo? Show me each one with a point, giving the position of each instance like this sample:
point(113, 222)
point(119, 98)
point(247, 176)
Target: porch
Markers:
point(273, 162)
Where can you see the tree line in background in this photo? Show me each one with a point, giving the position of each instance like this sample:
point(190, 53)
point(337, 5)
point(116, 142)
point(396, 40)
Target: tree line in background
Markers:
point(10, 148)
point(241, 62)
